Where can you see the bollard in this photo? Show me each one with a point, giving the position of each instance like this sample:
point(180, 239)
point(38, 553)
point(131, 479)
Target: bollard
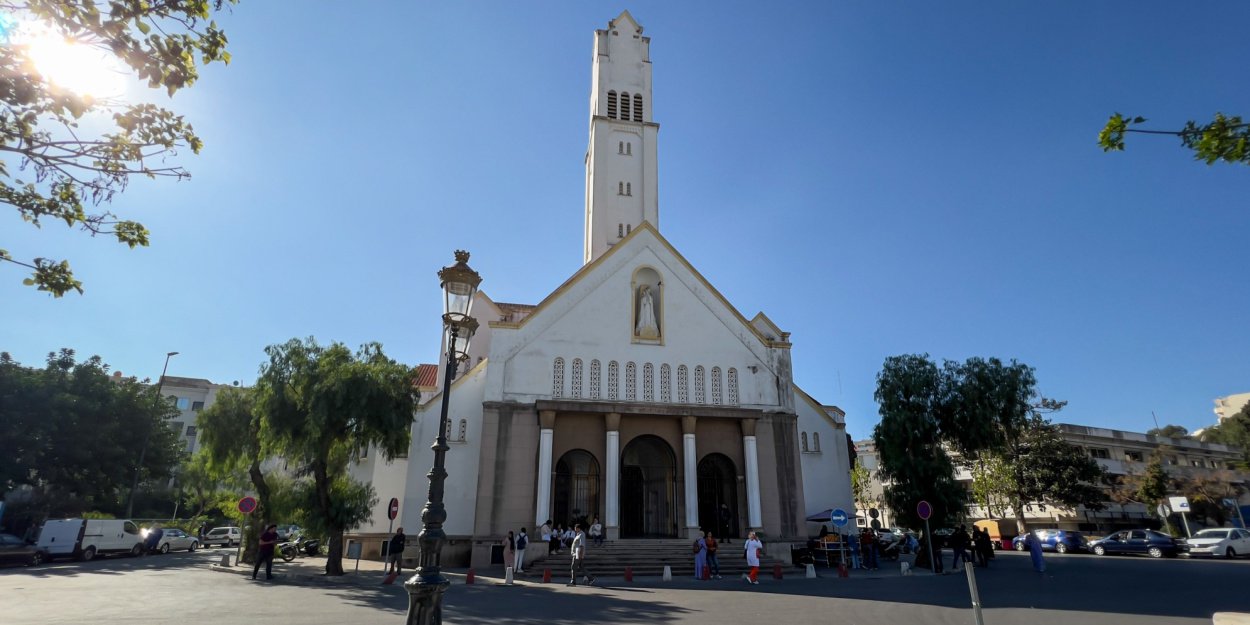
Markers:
point(976, 596)
point(707, 573)
point(546, 576)
point(468, 579)
point(811, 571)
point(225, 559)
point(904, 568)
point(776, 571)
point(842, 572)
point(629, 573)
point(507, 576)
point(668, 573)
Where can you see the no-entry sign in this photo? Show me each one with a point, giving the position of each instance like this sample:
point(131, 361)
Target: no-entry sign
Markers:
point(924, 510)
point(392, 511)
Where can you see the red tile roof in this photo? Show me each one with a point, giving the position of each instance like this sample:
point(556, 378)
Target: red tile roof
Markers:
point(427, 376)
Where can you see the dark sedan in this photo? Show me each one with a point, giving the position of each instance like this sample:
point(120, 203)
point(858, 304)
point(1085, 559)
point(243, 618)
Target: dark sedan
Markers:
point(14, 550)
point(1137, 542)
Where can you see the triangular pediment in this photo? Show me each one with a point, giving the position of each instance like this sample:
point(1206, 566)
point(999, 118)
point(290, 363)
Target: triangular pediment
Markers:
point(626, 22)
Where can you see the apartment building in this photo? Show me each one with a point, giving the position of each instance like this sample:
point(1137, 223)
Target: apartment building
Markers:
point(190, 395)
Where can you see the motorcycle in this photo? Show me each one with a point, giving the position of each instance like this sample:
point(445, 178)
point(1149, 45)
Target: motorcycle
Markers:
point(891, 547)
point(292, 548)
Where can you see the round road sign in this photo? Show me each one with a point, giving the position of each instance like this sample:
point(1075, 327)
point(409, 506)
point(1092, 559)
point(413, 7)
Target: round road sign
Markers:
point(1163, 510)
point(392, 511)
point(872, 512)
point(247, 505)
point(876, 524)
point(839, 517)
point(924, 510)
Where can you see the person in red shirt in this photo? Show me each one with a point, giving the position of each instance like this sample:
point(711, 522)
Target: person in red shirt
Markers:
point(268, 541)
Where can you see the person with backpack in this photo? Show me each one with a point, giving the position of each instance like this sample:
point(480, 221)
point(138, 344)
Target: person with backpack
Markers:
point(522, 541)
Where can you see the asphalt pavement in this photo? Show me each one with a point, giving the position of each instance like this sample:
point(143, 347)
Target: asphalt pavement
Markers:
point(184, 589)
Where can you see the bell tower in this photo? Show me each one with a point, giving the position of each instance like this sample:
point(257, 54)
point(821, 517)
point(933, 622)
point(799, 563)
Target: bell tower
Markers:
point(621, 158)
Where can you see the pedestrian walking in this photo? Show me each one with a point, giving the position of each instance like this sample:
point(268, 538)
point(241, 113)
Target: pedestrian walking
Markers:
point(509, 549)
point(522, 541)
point(395, 551)
point(983, 547)
point(712, 560)
point(700, 556)
point(753, 549)
point(578, 547)
point(1035, 552)
point(959, 545)
point(264, 555)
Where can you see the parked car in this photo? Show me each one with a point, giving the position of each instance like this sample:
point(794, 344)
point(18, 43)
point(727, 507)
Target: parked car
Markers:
point(84, 539)
point(288, 532)
point(176, 540)
point(226, 536)
point(1137, 542)
point(16, 550)
point(1062, 541)
point(1225, 541)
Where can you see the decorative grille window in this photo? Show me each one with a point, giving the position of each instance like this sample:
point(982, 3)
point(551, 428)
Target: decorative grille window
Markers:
point(612, 104)
point(625, 105)
point(803, 442)
point(576, 382)
point(594, 379)
point(716, 389)
point(637, 107)
point(816, 442)
point(631, 382)
point(733, 386)
point(648, 382)
point(557, 378)
point(699, 380)
point(666, 384)
point(683, 385)
point(613, 380)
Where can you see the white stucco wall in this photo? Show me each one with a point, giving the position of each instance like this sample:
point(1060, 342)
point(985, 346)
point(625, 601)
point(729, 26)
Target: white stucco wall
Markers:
point(389, 479)
point(826, 474)
point(462, 458)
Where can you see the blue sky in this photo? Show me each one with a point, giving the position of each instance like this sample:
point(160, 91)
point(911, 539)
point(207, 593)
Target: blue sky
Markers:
point(878, 177)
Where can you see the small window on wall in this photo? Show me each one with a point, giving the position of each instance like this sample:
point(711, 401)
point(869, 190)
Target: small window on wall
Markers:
point(620, 188)
point(803, 442)
point(197, 406)
point(191, 431)
point(183, 403)
point(629, 149)
point(1099, 453)
point(629, 189)
point(620, 147)
point(464, 430)
point(625, 105)
point(637, 107)
point(1133, 456)
point(815, 442)
point(620, 230)
point(612, 104)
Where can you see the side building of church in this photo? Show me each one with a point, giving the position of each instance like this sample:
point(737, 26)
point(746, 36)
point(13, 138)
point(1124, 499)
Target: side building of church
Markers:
point(634, 392)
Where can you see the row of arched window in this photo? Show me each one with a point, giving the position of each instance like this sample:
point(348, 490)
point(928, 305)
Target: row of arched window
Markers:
point(815, 446)
point(619, 106)
point(692, 387)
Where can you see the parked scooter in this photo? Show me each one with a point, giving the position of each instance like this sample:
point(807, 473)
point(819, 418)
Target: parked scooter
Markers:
point(891, 547)
point(292, 548)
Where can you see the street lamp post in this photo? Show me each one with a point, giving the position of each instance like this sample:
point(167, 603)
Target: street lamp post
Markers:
point(426, 588)
point(147, 438)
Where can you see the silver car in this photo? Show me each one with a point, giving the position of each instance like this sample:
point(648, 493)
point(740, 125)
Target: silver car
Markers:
point(1220, 542)
point(177, 540)
point(227, 536)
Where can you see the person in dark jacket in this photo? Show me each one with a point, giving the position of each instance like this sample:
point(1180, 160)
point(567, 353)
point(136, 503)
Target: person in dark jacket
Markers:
point(395, 551)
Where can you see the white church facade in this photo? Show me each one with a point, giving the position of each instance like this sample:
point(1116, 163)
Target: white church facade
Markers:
point(634, 392)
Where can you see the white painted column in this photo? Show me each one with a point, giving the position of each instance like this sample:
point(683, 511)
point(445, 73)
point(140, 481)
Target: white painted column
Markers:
point(754, 517)
point(612, 492)
point(691, 464)
point(546, 432)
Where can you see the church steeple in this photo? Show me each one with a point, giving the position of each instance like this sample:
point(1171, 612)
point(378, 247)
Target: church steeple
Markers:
point(621, 158)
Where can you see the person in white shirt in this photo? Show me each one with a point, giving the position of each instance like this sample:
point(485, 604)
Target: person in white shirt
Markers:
point(596, 532)
point(753, 549)
point(579, 559)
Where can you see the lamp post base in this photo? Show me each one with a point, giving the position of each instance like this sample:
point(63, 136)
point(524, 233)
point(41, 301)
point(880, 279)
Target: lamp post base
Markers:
point(425, 600)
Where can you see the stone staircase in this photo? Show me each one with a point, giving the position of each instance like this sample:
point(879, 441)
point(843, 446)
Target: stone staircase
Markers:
point(648, 557)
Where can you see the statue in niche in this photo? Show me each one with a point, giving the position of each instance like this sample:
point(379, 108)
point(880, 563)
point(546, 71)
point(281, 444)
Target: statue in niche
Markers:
point(647, 327)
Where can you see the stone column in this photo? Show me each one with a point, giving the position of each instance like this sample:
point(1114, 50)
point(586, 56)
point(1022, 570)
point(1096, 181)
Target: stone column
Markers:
point(691, 461)
point(612, 490)
point(546, 431)
point(754, 520)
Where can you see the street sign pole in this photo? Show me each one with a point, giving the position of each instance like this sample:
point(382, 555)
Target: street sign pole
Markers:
point(1185, 521)
point(928, 538)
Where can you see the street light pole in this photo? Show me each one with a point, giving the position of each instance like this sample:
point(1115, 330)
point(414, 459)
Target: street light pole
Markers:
point(147, 437)
point(427, 586)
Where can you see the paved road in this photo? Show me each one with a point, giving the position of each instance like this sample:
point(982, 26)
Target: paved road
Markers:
point(1075, 590)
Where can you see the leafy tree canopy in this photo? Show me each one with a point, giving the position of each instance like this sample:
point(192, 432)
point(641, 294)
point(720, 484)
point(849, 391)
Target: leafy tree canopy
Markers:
point(72, 433)
point(1169, 431)
point(66, 151)
point(1225, 138)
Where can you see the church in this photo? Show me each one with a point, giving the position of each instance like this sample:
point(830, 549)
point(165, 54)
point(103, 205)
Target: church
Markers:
point(633, 392)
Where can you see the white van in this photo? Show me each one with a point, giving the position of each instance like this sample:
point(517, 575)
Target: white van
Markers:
point(84, 539)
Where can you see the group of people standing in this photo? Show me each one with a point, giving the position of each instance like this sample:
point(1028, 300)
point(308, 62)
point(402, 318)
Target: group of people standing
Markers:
point(979, 549)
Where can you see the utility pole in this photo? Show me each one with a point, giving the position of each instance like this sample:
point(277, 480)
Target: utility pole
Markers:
point(143, 451)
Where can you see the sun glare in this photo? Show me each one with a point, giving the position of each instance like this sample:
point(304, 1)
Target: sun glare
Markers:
point(70, 65)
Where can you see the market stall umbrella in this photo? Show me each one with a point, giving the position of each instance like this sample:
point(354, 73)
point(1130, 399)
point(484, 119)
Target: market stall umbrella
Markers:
point(822, 516)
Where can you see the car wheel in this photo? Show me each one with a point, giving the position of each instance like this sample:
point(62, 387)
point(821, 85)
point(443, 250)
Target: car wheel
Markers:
point(1155, 552)
point(136, 551)
point(1099, 550)
point(1230, 553)
point(165, 548)
point(37, 558)
point(1061, 548)
point(1019, 546)
point(193, 546)
point(88, 554)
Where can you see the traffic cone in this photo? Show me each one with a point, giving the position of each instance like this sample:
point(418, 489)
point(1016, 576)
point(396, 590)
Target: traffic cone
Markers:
point(507, 575)
point(668, 573)
point(842, 572)
point(811, 571)
point(546, 576)
point(707, 573)
point(468, 579)
point(776, 571)
point(629, 573)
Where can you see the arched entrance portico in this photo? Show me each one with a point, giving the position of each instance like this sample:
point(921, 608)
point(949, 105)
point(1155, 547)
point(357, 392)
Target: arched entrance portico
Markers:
point(648, 489)
point(576, 493)
point(718, 496)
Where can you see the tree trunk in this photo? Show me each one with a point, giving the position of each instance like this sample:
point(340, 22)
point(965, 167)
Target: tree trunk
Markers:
point(334, 553)
point(334, 550)
point(256, 521)
point(1017, 509)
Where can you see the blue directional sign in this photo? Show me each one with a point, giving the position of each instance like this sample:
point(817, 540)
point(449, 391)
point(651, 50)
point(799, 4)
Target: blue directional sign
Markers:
point(839, 517)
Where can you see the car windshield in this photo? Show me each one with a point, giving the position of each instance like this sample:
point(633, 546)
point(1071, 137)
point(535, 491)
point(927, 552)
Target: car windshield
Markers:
point(1212, 534)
